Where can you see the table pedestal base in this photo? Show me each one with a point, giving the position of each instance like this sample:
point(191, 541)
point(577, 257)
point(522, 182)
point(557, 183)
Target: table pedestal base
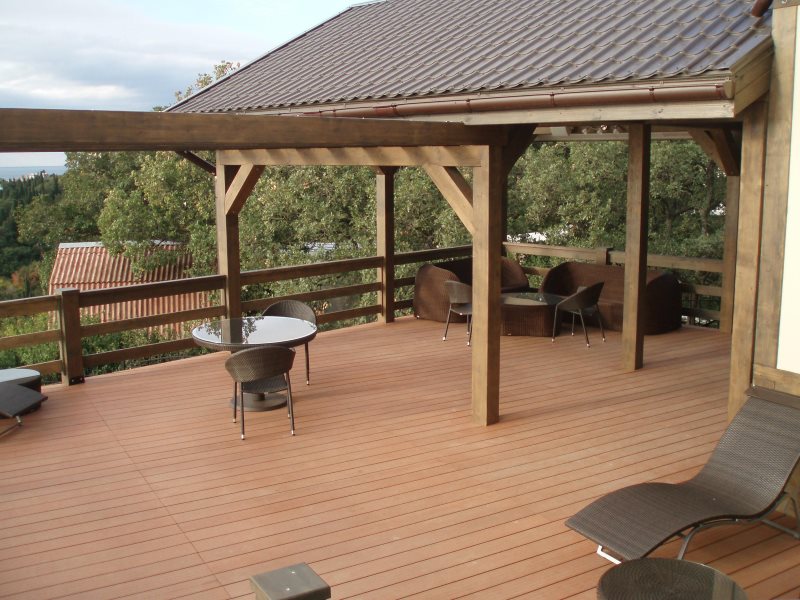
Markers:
point(262, 402)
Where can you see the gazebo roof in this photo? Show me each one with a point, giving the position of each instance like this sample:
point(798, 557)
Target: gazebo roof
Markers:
point(416, 49)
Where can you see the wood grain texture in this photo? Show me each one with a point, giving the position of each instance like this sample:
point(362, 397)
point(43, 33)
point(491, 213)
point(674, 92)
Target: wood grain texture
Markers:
point(488, 181)
point(395, 156)
point(731, 243)
point(754, 139)
point(36, 130)
point(136, 483)
point(384, 217)
point(780, 121)
point(636, 229)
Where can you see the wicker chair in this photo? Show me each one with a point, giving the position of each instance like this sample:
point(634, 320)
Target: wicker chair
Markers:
point(296, 310)
point(743, 480)
point(581, 303)
point(255, 370)
point(460, 296)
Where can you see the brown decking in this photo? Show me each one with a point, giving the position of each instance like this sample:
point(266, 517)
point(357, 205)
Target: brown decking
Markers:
point(136, 484)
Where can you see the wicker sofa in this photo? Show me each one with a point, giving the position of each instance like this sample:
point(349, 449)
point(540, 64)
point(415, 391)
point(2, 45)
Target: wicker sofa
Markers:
point(430, 298)
point(662, 312)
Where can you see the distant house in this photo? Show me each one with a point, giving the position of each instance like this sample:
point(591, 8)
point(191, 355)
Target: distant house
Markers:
point(89, 266)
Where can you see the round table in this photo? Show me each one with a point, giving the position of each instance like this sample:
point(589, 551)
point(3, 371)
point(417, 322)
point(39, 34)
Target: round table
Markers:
point(26, 377)
point(666, 579)
point(529, 313)
point(249, 332)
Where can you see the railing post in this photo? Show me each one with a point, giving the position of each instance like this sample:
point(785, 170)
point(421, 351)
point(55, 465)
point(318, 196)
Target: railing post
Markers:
point(384, 196)
point(69, 317)
point(603, 257)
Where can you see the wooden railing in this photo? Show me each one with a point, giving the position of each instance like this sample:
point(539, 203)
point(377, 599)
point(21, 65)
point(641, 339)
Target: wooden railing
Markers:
point(65, 308)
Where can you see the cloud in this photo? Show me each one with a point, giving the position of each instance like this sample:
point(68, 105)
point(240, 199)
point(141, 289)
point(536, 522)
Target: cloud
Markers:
point(106, 55)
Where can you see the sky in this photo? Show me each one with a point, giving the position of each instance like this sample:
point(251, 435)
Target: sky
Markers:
point(132, 54)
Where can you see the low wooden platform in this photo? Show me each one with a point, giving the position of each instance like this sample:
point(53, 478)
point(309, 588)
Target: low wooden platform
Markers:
point(136, 484)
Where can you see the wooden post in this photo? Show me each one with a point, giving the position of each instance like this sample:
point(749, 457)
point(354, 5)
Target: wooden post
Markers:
point(754, 138)
point(602, 256)
point(228, 259)
point(636, 246)
point(781, 121)
point(384, 211)
point(729, 253)
point(69, 318)
point(487, 200)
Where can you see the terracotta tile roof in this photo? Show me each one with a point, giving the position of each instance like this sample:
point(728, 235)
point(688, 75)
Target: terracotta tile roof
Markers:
point(393, 49)
point(89, 266)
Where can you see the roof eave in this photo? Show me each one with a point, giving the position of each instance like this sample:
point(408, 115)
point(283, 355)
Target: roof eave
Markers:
point(712, 95)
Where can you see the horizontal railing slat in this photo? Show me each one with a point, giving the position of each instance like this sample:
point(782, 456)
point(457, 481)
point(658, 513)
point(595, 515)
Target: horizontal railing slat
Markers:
point(152, 321)
point(687, 263)
point(30, 339)
point(142, 291)
point(353, 313)
point(702, 290)
point(405, 258)
point(24, 307)
point(404, 282)
point(310, 270)
point(556, 251)
point(104, 358)
point(401, 304)
point(323, 294)
point(46, 368)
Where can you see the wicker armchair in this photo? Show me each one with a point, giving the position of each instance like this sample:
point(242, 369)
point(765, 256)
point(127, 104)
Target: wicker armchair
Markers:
point(743, 480)
point(254, 371)
point(296, 310)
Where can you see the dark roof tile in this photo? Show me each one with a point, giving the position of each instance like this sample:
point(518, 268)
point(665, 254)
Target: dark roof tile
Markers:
point(394, 49)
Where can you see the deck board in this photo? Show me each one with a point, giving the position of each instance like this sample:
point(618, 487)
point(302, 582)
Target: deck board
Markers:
point(136, 485)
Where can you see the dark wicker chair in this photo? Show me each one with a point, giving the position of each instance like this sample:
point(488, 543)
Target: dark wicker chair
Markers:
point(743, 480)
point(296, 310)
point(255, 371)
point(581, 303)
point(460, 296)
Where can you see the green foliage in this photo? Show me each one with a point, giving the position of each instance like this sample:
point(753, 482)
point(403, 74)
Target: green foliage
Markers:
point(19, 270)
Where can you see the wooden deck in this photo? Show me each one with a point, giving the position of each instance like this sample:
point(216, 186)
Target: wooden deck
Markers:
point(137, 485)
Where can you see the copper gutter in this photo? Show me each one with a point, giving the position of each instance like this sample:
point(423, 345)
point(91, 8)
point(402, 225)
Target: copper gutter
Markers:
point(558, 99)
point(760, 7)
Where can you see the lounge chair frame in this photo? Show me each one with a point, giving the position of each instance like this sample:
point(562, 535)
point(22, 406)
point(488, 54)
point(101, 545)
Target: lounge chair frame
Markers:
point(743, 481)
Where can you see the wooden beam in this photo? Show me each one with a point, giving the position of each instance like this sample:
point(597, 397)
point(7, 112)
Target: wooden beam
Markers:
point(754, 140)
point(456, 190)
point(384, 213)
point(636, 246)
point(780, 122)
point(38, 130)
point(397, 156)
point(729, 253)
point(488, 181)
point(718, 143)
point(241, 187)
point(519, 140)
point(228, 259)
point(196, 160)
point(659, 111)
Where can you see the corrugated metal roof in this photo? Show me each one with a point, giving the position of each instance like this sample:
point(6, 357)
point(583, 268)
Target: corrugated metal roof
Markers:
point(89, 266)
point(394, 49)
